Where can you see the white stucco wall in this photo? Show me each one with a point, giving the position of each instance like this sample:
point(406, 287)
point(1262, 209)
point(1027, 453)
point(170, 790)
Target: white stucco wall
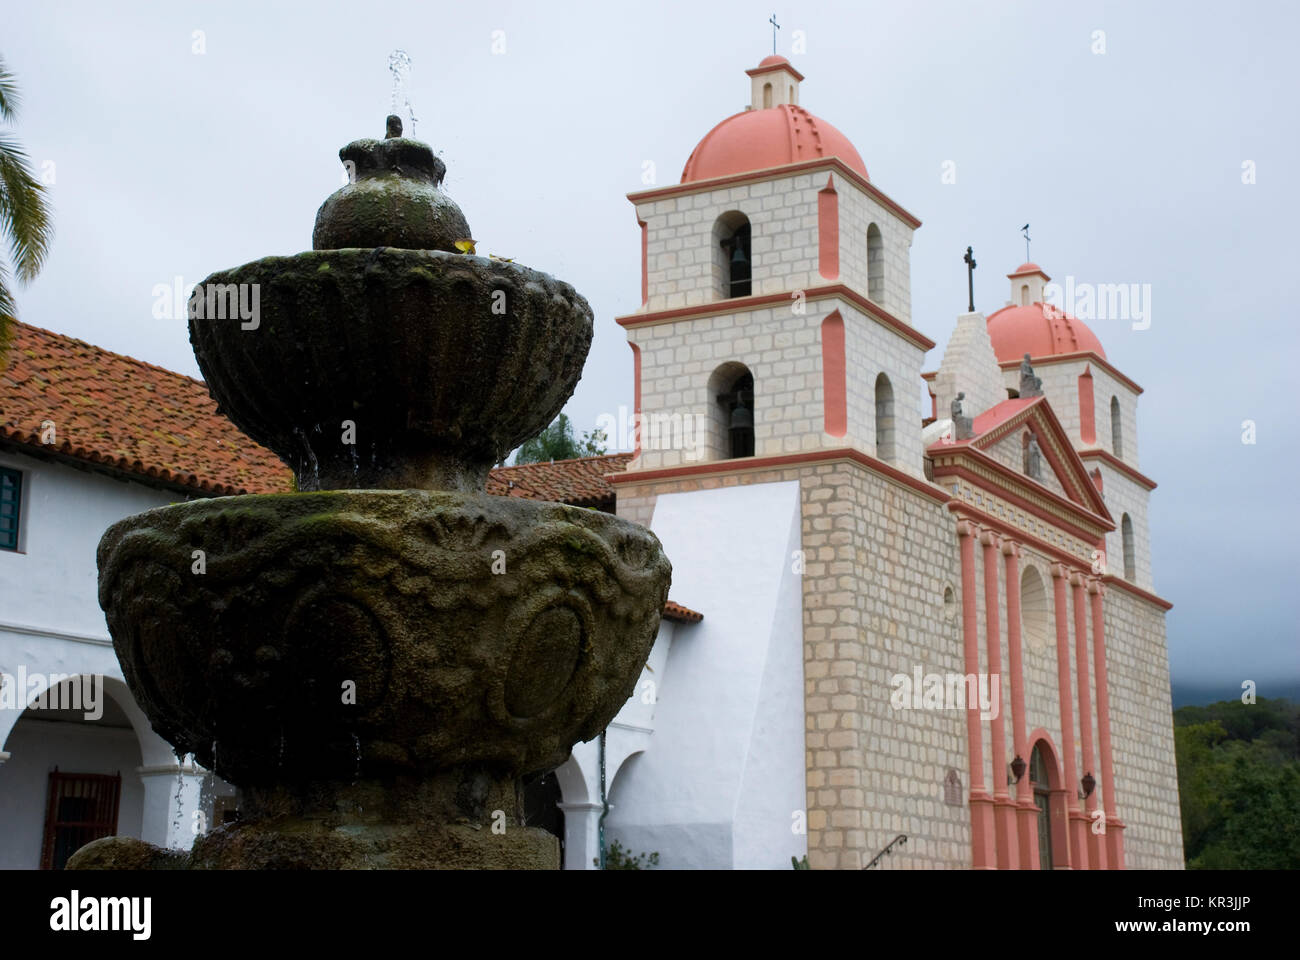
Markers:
point(51, 623)
point(628, 734)
point(51, 582)
point(723, 775)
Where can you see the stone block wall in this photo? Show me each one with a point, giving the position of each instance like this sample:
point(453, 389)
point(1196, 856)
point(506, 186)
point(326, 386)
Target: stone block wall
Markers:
point(682, 250)
point(1123, 495)
point(782, 348)
point(878, 557)
point(1061, 387)
point(1146, 774)
point(858, 211)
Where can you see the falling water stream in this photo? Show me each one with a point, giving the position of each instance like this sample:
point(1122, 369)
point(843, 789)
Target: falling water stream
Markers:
point(180, 789)
point(399, 63)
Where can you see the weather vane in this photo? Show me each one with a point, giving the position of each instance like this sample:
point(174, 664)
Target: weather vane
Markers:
point(775, 27)
point(1025, 231)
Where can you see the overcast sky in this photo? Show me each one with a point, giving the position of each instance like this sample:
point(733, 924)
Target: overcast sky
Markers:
point(1128, 163)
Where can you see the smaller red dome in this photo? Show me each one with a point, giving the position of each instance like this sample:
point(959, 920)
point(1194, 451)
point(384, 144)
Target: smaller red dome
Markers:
point(772, 61)
point(1027, 268)
point(1040, 331)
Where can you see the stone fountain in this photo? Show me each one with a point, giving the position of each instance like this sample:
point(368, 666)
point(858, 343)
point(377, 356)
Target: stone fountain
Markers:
point(380, 658)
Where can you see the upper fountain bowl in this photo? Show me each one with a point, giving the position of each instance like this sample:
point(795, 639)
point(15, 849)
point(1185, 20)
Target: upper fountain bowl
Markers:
point(387, 360)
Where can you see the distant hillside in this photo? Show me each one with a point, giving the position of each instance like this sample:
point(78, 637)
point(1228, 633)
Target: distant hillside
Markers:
point(1239, 784)
point(1200, 695)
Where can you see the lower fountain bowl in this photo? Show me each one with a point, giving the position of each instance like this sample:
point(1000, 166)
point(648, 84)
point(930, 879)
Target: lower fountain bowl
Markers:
point(297, 639)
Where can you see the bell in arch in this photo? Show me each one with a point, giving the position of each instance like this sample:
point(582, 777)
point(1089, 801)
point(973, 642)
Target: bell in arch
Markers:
point(740, 428)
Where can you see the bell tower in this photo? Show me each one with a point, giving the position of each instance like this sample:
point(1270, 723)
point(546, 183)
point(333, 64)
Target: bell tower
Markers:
point(776, 313)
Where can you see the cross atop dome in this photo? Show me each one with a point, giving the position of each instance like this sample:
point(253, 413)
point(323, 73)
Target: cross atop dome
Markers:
point(775, 81)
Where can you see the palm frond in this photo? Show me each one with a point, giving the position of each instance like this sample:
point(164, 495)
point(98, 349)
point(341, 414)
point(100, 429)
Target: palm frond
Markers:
point(24, 214)
point(10, 99)
point(8, 316)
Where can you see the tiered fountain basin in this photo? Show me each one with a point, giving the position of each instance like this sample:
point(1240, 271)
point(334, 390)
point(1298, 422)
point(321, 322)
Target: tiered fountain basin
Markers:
point(379, 659)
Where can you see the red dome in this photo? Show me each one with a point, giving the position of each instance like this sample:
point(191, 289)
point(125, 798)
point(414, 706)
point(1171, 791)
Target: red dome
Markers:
point(1040, 332)
point(774, 60)
point(758, 139)
point(1027, 268)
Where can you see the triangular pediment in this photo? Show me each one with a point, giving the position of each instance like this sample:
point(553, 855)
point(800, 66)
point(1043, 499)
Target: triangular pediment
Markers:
point(1060, 469)
point(1000, 436)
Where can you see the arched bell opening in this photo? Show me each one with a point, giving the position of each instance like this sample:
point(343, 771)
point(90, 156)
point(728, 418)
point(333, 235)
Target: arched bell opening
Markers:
point(732, 256)
point(732, 423)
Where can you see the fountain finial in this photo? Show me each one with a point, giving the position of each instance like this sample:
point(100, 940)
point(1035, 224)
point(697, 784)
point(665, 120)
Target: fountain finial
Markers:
point(394, 127)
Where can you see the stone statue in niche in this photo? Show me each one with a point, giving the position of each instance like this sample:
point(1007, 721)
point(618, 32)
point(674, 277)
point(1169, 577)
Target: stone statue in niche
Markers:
point(1030, 385)
point(963, 426)
point(1033, 459)
point(952, 788)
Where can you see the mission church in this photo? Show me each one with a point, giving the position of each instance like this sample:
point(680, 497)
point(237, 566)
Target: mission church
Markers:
point(833, 542)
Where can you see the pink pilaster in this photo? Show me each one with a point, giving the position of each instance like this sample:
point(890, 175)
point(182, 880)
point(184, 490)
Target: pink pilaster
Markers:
point(1096, 850)
point(645, 262)
point(1074, 816)
point(981, 804)
point(636, 397)
point(1026, 811)
point(1004, 807)
point(1114, 836)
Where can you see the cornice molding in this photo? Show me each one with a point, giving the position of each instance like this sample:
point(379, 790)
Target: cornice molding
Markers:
point(1120, 583)
point(753, 464)
point(779, 173)
point(632, 321)
point(1108, 458)
point(1089, 355)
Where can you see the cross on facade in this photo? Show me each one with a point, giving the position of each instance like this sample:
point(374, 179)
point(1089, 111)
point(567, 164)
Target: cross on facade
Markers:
point(775, 27)
point(969, 259)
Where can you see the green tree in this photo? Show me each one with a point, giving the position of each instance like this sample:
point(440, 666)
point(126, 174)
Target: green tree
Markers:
point(1239, 784)
point(24, 216)
point(557, 442)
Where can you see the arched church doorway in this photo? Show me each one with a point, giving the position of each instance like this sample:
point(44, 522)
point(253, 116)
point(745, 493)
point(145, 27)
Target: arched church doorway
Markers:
point(1049, 798)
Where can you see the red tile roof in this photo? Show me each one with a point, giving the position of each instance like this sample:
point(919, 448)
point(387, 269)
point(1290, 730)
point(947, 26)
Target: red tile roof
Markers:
point(998, 414)
point(127, 417)
point(580, 482)
point(675, 611)
point(132, 417)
